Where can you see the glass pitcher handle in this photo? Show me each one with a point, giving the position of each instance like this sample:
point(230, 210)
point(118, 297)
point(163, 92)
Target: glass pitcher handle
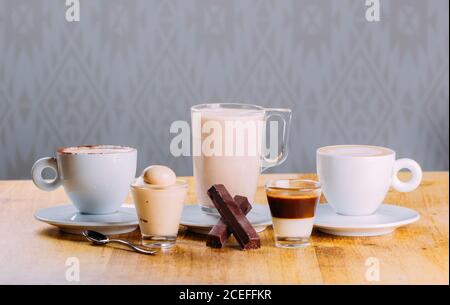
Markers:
point(285, 115)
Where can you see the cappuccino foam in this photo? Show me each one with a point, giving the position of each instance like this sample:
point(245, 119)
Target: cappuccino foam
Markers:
point(355, 151)
point(97, 149)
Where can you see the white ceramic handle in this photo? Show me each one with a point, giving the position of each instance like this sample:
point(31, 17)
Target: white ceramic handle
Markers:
point(415, 180)
point(36, 174)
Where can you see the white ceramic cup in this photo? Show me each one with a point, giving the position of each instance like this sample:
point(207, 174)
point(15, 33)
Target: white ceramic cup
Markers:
point(356, 178)
point(96, 180)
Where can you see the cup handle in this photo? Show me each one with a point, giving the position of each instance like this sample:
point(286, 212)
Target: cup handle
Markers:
point(415, 170)
point(36, 174)
point(285, 115)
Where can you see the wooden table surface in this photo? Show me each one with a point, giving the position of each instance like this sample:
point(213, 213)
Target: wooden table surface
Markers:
point(34, 252)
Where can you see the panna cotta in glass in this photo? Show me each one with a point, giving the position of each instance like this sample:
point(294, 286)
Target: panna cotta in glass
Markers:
point(159, 199)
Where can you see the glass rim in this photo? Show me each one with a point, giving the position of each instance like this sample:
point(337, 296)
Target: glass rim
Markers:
point(311, 185)
point(218, 105)
point(180, 183)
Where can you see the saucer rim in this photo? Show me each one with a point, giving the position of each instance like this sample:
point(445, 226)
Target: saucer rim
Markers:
point(86, 224)
point(196, 225)
point(395, 224)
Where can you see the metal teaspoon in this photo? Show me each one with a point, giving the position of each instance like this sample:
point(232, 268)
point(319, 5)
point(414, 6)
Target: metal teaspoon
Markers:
point(100, 239)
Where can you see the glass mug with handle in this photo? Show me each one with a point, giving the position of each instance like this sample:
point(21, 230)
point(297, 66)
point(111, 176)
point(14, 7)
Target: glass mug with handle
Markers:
point(229, 147)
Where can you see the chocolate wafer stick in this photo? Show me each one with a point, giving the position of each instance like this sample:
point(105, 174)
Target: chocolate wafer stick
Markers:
point(239, 225)
point(220, 232)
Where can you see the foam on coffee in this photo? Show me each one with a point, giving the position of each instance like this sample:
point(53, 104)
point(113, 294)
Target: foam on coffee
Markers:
point(97, 149)
point(354, 151)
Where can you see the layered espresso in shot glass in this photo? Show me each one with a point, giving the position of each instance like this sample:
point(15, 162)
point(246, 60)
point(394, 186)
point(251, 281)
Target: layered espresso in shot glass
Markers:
point(293, 205)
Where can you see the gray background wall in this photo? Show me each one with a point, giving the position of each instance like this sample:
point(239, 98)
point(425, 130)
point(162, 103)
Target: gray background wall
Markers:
point(129, 68)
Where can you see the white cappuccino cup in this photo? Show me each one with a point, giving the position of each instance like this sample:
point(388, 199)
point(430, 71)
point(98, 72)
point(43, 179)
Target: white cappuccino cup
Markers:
point(96, 178)
point(356, 178)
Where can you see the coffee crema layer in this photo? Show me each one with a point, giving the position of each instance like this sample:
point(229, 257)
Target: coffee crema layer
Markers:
point(94, 149)
point(292, 207)
point(354, 151)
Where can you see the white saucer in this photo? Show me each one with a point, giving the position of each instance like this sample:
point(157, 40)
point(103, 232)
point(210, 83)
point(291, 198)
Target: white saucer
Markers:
point(386, 219)
point(199, 222)
point(69, 220)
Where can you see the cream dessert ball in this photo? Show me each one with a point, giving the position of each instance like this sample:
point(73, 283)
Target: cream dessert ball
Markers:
point(159, 175)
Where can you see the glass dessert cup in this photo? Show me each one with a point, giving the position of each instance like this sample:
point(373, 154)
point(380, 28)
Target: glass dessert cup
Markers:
point(293, 204)
point(159, 211)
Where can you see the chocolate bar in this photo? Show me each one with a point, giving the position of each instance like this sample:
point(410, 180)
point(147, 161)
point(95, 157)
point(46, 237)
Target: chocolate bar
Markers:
point(235, 219)
point(220, 232)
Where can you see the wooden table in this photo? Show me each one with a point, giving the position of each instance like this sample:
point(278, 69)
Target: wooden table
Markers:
point(34, 252)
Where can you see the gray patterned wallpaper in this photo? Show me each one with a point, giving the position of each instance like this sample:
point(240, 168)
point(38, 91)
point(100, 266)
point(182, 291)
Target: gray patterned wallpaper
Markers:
point(127, 69)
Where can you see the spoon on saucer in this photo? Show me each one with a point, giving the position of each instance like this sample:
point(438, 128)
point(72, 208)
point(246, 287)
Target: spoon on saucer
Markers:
point(100, 239)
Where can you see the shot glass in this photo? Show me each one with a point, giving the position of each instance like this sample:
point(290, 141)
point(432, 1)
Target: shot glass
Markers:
point(293, 205)
point(159, 211)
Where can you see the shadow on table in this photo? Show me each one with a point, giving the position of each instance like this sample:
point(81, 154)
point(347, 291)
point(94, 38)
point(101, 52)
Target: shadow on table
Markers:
point(56, 233)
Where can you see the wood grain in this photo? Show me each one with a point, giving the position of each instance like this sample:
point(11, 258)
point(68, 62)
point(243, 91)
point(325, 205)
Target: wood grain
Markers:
point(33, 252)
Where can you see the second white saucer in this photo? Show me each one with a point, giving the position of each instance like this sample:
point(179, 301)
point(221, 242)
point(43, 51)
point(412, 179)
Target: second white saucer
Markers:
point(68, 219)
point(384, 221)
point(199, 222)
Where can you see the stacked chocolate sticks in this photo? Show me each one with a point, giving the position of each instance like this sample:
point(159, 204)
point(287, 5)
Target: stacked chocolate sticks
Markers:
point(233, 220)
